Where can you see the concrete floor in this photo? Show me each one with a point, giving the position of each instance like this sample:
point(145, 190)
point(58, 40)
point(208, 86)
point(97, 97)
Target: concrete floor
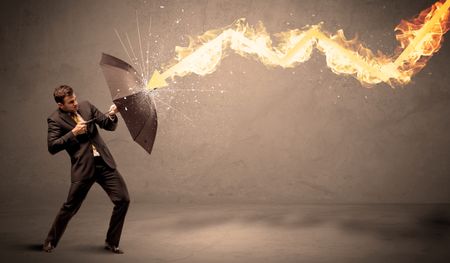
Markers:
point(236, 233)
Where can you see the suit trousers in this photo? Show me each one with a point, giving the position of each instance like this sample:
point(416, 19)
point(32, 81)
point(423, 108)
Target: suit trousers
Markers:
point(113, 184)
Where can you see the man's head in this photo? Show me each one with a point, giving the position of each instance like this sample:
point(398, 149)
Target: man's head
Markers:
point(65, 98)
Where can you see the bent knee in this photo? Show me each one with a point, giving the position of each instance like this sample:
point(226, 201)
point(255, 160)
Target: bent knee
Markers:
point(126, 200)
point(123, 201)
point(69, 207)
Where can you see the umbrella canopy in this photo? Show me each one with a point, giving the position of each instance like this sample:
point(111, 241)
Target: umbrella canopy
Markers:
point(134, 103)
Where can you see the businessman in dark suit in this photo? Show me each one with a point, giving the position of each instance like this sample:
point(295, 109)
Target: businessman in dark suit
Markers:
point(91, 162)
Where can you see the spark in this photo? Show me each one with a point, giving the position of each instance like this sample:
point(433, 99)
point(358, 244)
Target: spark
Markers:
point(136, 60)
point(147, 73)
point(140, 45)
point(123, 46)
point(194, 90)
point(172, 107)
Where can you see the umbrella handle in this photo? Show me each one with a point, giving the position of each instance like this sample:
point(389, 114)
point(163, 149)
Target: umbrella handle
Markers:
point(93, 119)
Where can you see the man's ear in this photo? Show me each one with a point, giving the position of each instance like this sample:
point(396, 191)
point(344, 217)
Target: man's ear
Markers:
point(60, 105)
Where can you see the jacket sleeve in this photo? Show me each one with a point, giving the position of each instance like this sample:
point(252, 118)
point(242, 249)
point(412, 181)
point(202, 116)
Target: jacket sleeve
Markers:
point(103, 120)
point(56, 140)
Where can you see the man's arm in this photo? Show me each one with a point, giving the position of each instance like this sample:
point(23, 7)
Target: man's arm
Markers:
point(105, 121)
point(56, 140)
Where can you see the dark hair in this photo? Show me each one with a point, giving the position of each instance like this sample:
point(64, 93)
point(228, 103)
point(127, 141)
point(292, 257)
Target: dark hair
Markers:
point(61, 92)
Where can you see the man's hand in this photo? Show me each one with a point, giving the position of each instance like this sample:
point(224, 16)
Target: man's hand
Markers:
point(79, 129)
point(113, 110)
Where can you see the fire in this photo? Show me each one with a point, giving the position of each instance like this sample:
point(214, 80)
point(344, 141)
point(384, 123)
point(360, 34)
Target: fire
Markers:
point(419, 39)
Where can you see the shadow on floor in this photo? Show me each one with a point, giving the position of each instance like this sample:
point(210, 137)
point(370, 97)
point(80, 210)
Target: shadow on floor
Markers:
point(31, 247)
point(382, 221)
point(431, 225)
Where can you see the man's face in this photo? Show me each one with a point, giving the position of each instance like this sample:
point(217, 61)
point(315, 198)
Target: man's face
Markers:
point(70, 104)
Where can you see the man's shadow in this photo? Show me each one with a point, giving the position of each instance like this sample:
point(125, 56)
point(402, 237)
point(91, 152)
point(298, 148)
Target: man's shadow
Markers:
point(34, 247)
point(38, 248)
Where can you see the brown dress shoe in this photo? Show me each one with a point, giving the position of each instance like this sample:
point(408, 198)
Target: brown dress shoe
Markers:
point(114, 249)
point(47, 247)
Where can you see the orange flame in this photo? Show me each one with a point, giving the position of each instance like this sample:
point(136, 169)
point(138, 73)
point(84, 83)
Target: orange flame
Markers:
point(419, 39)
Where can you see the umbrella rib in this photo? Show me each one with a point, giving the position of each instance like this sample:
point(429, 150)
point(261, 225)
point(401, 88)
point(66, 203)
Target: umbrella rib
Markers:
point(125, 90)
point(145, 123)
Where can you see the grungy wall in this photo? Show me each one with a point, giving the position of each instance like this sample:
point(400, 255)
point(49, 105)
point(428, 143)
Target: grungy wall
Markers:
point(245, 133)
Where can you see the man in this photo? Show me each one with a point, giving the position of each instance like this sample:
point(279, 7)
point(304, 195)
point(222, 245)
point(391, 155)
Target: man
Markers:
point(69, 129)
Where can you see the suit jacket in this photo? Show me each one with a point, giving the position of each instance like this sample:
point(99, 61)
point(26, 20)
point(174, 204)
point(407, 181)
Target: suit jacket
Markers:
point(60, 137)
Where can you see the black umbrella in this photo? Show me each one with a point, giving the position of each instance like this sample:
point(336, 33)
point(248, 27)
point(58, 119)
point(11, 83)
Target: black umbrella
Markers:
point(134, 103)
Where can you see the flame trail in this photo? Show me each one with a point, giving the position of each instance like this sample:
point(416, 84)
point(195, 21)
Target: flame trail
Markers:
point(419, 39)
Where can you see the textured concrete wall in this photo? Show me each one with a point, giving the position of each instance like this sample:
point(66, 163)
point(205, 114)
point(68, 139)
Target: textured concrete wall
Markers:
point(274, 135)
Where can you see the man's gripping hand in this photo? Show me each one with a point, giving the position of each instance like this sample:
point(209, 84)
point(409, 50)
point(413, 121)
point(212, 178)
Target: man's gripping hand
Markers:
point(113, 110)
point(79, 129)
